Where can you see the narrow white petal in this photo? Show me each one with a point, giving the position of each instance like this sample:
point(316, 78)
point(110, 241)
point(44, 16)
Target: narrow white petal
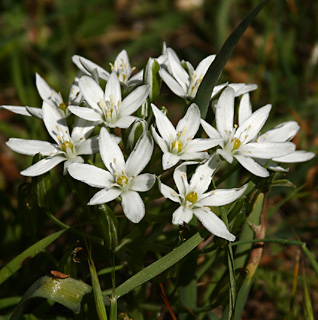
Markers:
point(182, 215)
point(110, 152)
point(123, 122)
point(245, 110)
point(88, 66)
point(104, 196)
point(213, 223)
point(250, 128)
point(140, 156)
point(17, 109)
point(91, 91)
point(165, 127)
point(161, 143)
point(31, 147)
point(296, 156)
point(210, 131)
point(178, 72)
point(281, 133)
point(193, 155)
point(242, 88)
point(225, 112)
point(168, 192)
point(180, 178)
point(112, 90)
point(204, 65)
point(199, 144)
point(136, 80)
point(143, 182)
point(67, 163)
point(86, 113)
point(35, 112)
point(169, 160)
point(82, 129)
point(252, 166)
point(266, 150)
point(45, 91)
point(222, 197)
point(134, 100)
point(133, 206)
point(189, 124)
point(225, 155)
point(88, 146)
point(172, 84)
point(42, 166)
point(91, 175)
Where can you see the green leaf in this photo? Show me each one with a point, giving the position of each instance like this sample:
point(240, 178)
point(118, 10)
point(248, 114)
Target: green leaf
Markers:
point(160, 265)
point(68, 292)
point(308, 310)
point(203, 96)
point(15, 264)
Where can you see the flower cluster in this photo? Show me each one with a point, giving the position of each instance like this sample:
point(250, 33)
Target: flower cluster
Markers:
point(127, 105)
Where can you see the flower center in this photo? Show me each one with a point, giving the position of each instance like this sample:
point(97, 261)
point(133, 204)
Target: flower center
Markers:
point(122, 180)
point(63, 106)
point(192, 197)
point(65, 145)
point(176, 146)
point(236, 144)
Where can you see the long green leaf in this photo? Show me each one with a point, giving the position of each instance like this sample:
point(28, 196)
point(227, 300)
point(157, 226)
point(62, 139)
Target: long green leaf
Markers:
point(203, 96)
point(160, 265)
point(15, 264)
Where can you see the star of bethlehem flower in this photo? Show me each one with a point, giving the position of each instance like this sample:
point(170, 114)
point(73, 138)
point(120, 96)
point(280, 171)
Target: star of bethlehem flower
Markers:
point(179, 143)
point(67, 148)
point(184, 81)
point(121, 68)
point(109, 108)
point(240, 141)
point(194, 199)
point(49, 96)
point(123, 179)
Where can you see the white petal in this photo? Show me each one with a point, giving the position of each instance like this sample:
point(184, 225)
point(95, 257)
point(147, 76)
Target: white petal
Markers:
point(88, 66)
point(172, 84)
point(91, 175)
point(178, 72)
point(210, 131)
point(296, 156)
point(133, 206)
point(88, 146)
point(110, 152)
point(134, 100)
point(198, 145)
point(169, 160)
point(92, 92)
point(35, 112)
point(46, 92)
point(180, 178)
point(42, 166)
point(193, 155)
point(222, 197)
point(123, 122)
point(82, 129)
point(75, 160)
point(136, 80)
point(225, 155)
point(161, 143)
point(225, 112)
point(31, 147)
point(104, 196)
point(140, 156)
point(168, 192)
point(266, 150)
point(86, 113)
point(204, 65)
point(189, 124)
point(245, 110)
point(17, 109)
point(182, 215)
point(281, 133)
point(112, 90)
point(250, 128)
point(165, 127)
point(252, 166)
point(143, 182)
point(213, 223)
point(242, 88)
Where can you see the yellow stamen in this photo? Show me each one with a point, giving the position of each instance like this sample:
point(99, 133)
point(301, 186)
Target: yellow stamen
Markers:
point(122, 180)
point(65, 145)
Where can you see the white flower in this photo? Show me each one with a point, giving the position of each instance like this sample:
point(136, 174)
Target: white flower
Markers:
point(123, 179)
point(239, 141)
point(185, 84)
point(67, 148)
point(179, 143)
point(194, 198)
point(108, 108)
point(121, 68)
point(51, 97)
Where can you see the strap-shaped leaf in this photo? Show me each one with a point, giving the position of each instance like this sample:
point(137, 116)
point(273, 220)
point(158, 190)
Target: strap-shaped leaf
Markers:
point(211, 77)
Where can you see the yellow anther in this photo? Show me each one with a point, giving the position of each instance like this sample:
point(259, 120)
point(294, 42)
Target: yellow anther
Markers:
point(65, 145)
point(236, 144)
point(177, 145)
point(122, 180)
point(192, 197)
point(63, 106)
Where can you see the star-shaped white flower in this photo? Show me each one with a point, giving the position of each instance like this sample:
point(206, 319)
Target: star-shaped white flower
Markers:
point(194, 199)
point(239, 141)
point(121, 68)
point(67, 148)
point(185, 83)
point(179, 143)
point(51, 97)
point(108, 108)
point(123, 179)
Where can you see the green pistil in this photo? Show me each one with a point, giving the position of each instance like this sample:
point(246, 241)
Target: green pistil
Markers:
point(65, 145)
point(237, 144)
point(177, 145)
point(122, 180)
point(192, 197)
point(63, 106)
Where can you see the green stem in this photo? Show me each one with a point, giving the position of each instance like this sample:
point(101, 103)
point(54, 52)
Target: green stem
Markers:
point(113, 300)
